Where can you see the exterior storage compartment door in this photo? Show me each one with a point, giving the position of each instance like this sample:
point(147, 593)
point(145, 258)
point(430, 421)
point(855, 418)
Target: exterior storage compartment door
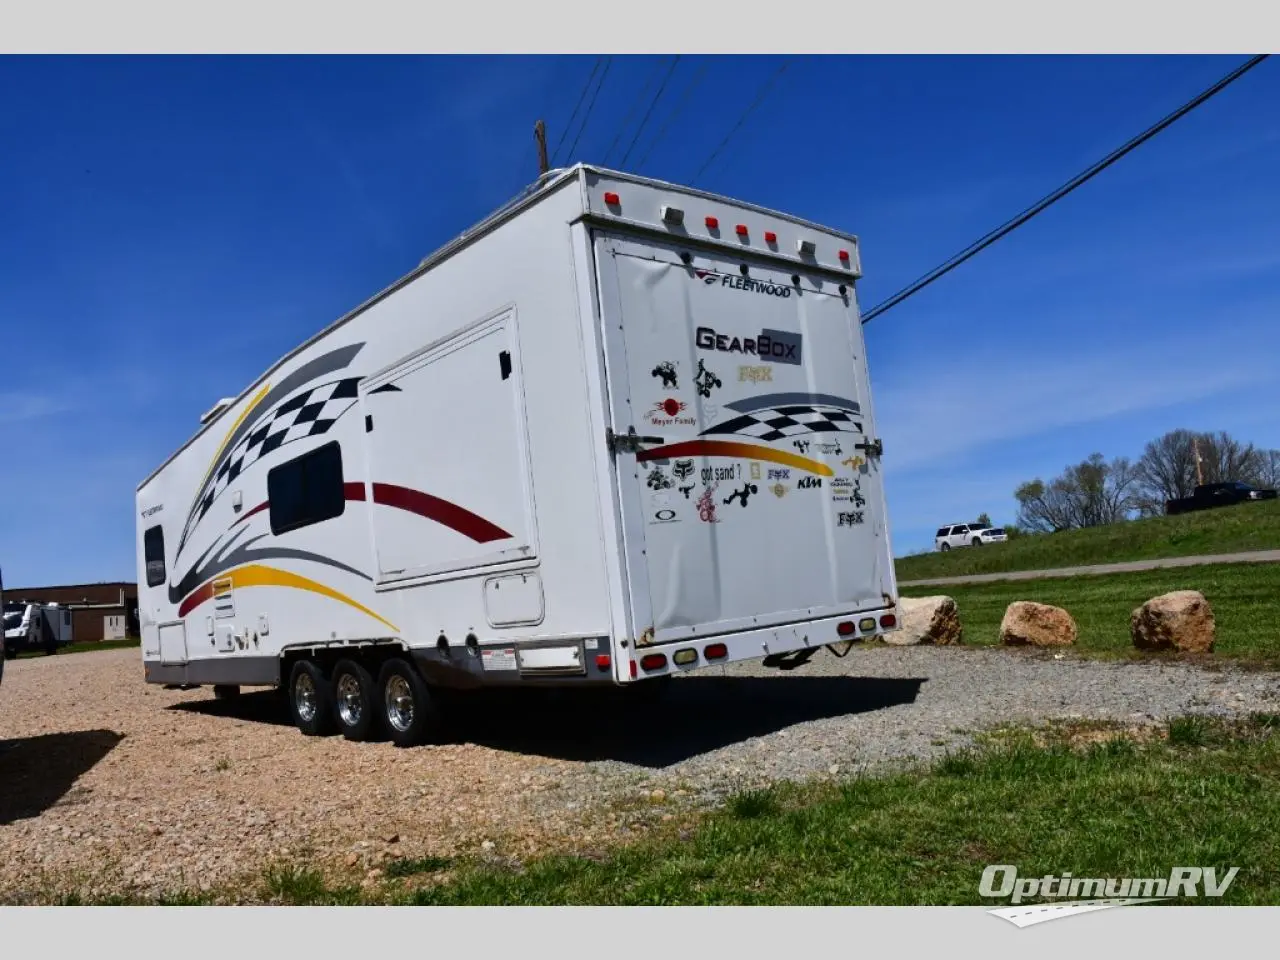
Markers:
point(449, 488)
point(754, 498)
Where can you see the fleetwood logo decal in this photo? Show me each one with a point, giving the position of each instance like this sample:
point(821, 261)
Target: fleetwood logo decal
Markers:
point(766, 287)
point(775, 345)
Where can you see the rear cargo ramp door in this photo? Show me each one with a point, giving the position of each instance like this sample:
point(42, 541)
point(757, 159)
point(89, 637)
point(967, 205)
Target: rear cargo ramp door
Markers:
point(757, 507)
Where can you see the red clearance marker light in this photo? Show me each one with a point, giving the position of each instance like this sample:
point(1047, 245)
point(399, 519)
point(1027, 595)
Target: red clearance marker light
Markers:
point(603, 661)
point(715, 651)
point(845, 629)
point(770, 237)
point(741, 229)
point(713, 223)
point(611, 199)
point(888, 621)
point(844, 255)
point(653, 661)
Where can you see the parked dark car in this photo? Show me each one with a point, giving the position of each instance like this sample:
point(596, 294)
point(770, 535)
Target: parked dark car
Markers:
point(1218, 495)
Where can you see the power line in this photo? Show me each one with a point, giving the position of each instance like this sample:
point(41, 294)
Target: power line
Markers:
point(586, 118)
point(1010, 225)
point(741, 120)
point(662, 132)
point(626, 121)
point(648, 113)
point(573, 116)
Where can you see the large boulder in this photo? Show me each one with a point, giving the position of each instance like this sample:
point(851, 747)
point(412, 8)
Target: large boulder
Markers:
point(1182, 620)
point(926, 620)
point(1027, 623)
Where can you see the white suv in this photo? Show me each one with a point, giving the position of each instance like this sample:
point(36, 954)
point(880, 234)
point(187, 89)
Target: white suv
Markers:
point(967, 534)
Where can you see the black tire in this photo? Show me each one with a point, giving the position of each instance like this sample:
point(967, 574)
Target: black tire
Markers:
point(311, 699)
point(355, 701)
point(977, 542)
point(225, 691)
point(10, 653)
point(946, 547)
point(409, 709)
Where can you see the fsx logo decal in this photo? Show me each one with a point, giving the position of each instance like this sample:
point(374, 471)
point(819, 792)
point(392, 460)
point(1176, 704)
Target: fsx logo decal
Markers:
point(1001, 881)
point(777, 346)
point(765, 287)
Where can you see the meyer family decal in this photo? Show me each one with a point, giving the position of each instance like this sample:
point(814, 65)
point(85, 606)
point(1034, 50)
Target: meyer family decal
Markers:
point(665, 413)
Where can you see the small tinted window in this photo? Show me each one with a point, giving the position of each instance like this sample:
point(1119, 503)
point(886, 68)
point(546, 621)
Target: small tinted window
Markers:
point(942, 532)
point(307, 489)
point(153, 556)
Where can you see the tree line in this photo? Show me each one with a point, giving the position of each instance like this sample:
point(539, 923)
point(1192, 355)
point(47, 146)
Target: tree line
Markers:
point(1097, 491)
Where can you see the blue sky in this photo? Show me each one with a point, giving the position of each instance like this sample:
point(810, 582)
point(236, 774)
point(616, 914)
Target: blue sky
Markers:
point(170, 226)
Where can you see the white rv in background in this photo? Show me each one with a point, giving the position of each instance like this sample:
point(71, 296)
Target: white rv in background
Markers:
point(35, 626)
point(619, 430)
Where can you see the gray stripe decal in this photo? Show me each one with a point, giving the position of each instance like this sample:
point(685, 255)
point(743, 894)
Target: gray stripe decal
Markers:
point(788, 399)
point(243, 554)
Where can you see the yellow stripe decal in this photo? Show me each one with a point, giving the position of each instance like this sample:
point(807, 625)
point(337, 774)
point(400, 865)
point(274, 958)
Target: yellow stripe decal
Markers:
point(256, 575)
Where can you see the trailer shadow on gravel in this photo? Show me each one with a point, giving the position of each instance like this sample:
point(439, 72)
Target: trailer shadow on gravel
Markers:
point(693, 716)
point(37, 773)
point(696, 715)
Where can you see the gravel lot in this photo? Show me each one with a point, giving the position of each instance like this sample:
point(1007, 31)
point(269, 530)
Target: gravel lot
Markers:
point(110, 785)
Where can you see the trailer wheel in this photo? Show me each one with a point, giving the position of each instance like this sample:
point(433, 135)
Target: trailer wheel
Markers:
point(411, 712)
point(310, 699)
point(355, 700)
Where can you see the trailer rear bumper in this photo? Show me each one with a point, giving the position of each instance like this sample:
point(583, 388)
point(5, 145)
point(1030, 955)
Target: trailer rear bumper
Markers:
point(709, 651)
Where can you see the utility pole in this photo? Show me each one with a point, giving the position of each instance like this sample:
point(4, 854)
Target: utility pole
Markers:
point(540, 134)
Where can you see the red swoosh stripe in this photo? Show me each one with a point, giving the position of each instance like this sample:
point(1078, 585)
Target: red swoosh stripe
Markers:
point(443, 512)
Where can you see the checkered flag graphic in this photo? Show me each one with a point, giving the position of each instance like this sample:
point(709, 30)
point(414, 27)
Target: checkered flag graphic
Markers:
point(791, 420)
point(306, 414)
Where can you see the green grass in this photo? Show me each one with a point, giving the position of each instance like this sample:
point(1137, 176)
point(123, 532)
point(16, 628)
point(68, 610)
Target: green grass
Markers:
point(1245, 598)
point(1248, 526)
point(87, 647)
point(1084, 799)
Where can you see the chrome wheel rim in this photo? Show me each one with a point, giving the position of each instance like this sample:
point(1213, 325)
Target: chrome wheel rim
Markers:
point(399, 696)
point(350, 707)
point(304, 697)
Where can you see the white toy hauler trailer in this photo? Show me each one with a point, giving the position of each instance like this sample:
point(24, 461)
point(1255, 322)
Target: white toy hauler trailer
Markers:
point(619, 430)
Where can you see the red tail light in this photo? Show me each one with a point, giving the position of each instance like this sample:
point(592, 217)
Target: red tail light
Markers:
point(633, 669)
point(888, 621)
point(653, 661)
point(715, 651)
point(846, 629)
point(603, 661)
